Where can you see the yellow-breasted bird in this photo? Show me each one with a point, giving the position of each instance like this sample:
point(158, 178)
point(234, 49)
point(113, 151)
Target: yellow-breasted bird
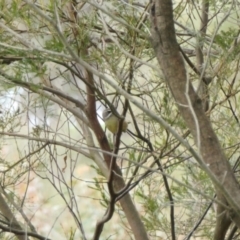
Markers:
point(111, 121)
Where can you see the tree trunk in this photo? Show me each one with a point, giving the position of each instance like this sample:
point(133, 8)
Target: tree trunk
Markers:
point(190, 105)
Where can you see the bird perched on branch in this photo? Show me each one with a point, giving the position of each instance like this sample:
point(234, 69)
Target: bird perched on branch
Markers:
point(112, 122)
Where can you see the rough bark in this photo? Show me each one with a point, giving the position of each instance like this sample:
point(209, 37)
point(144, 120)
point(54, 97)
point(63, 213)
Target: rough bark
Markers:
point(190, 106)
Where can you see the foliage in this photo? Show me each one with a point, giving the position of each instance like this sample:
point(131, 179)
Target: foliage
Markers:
point(51, 174)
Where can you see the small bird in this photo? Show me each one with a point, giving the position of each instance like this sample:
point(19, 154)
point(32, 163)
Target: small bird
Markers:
point(112, 122)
